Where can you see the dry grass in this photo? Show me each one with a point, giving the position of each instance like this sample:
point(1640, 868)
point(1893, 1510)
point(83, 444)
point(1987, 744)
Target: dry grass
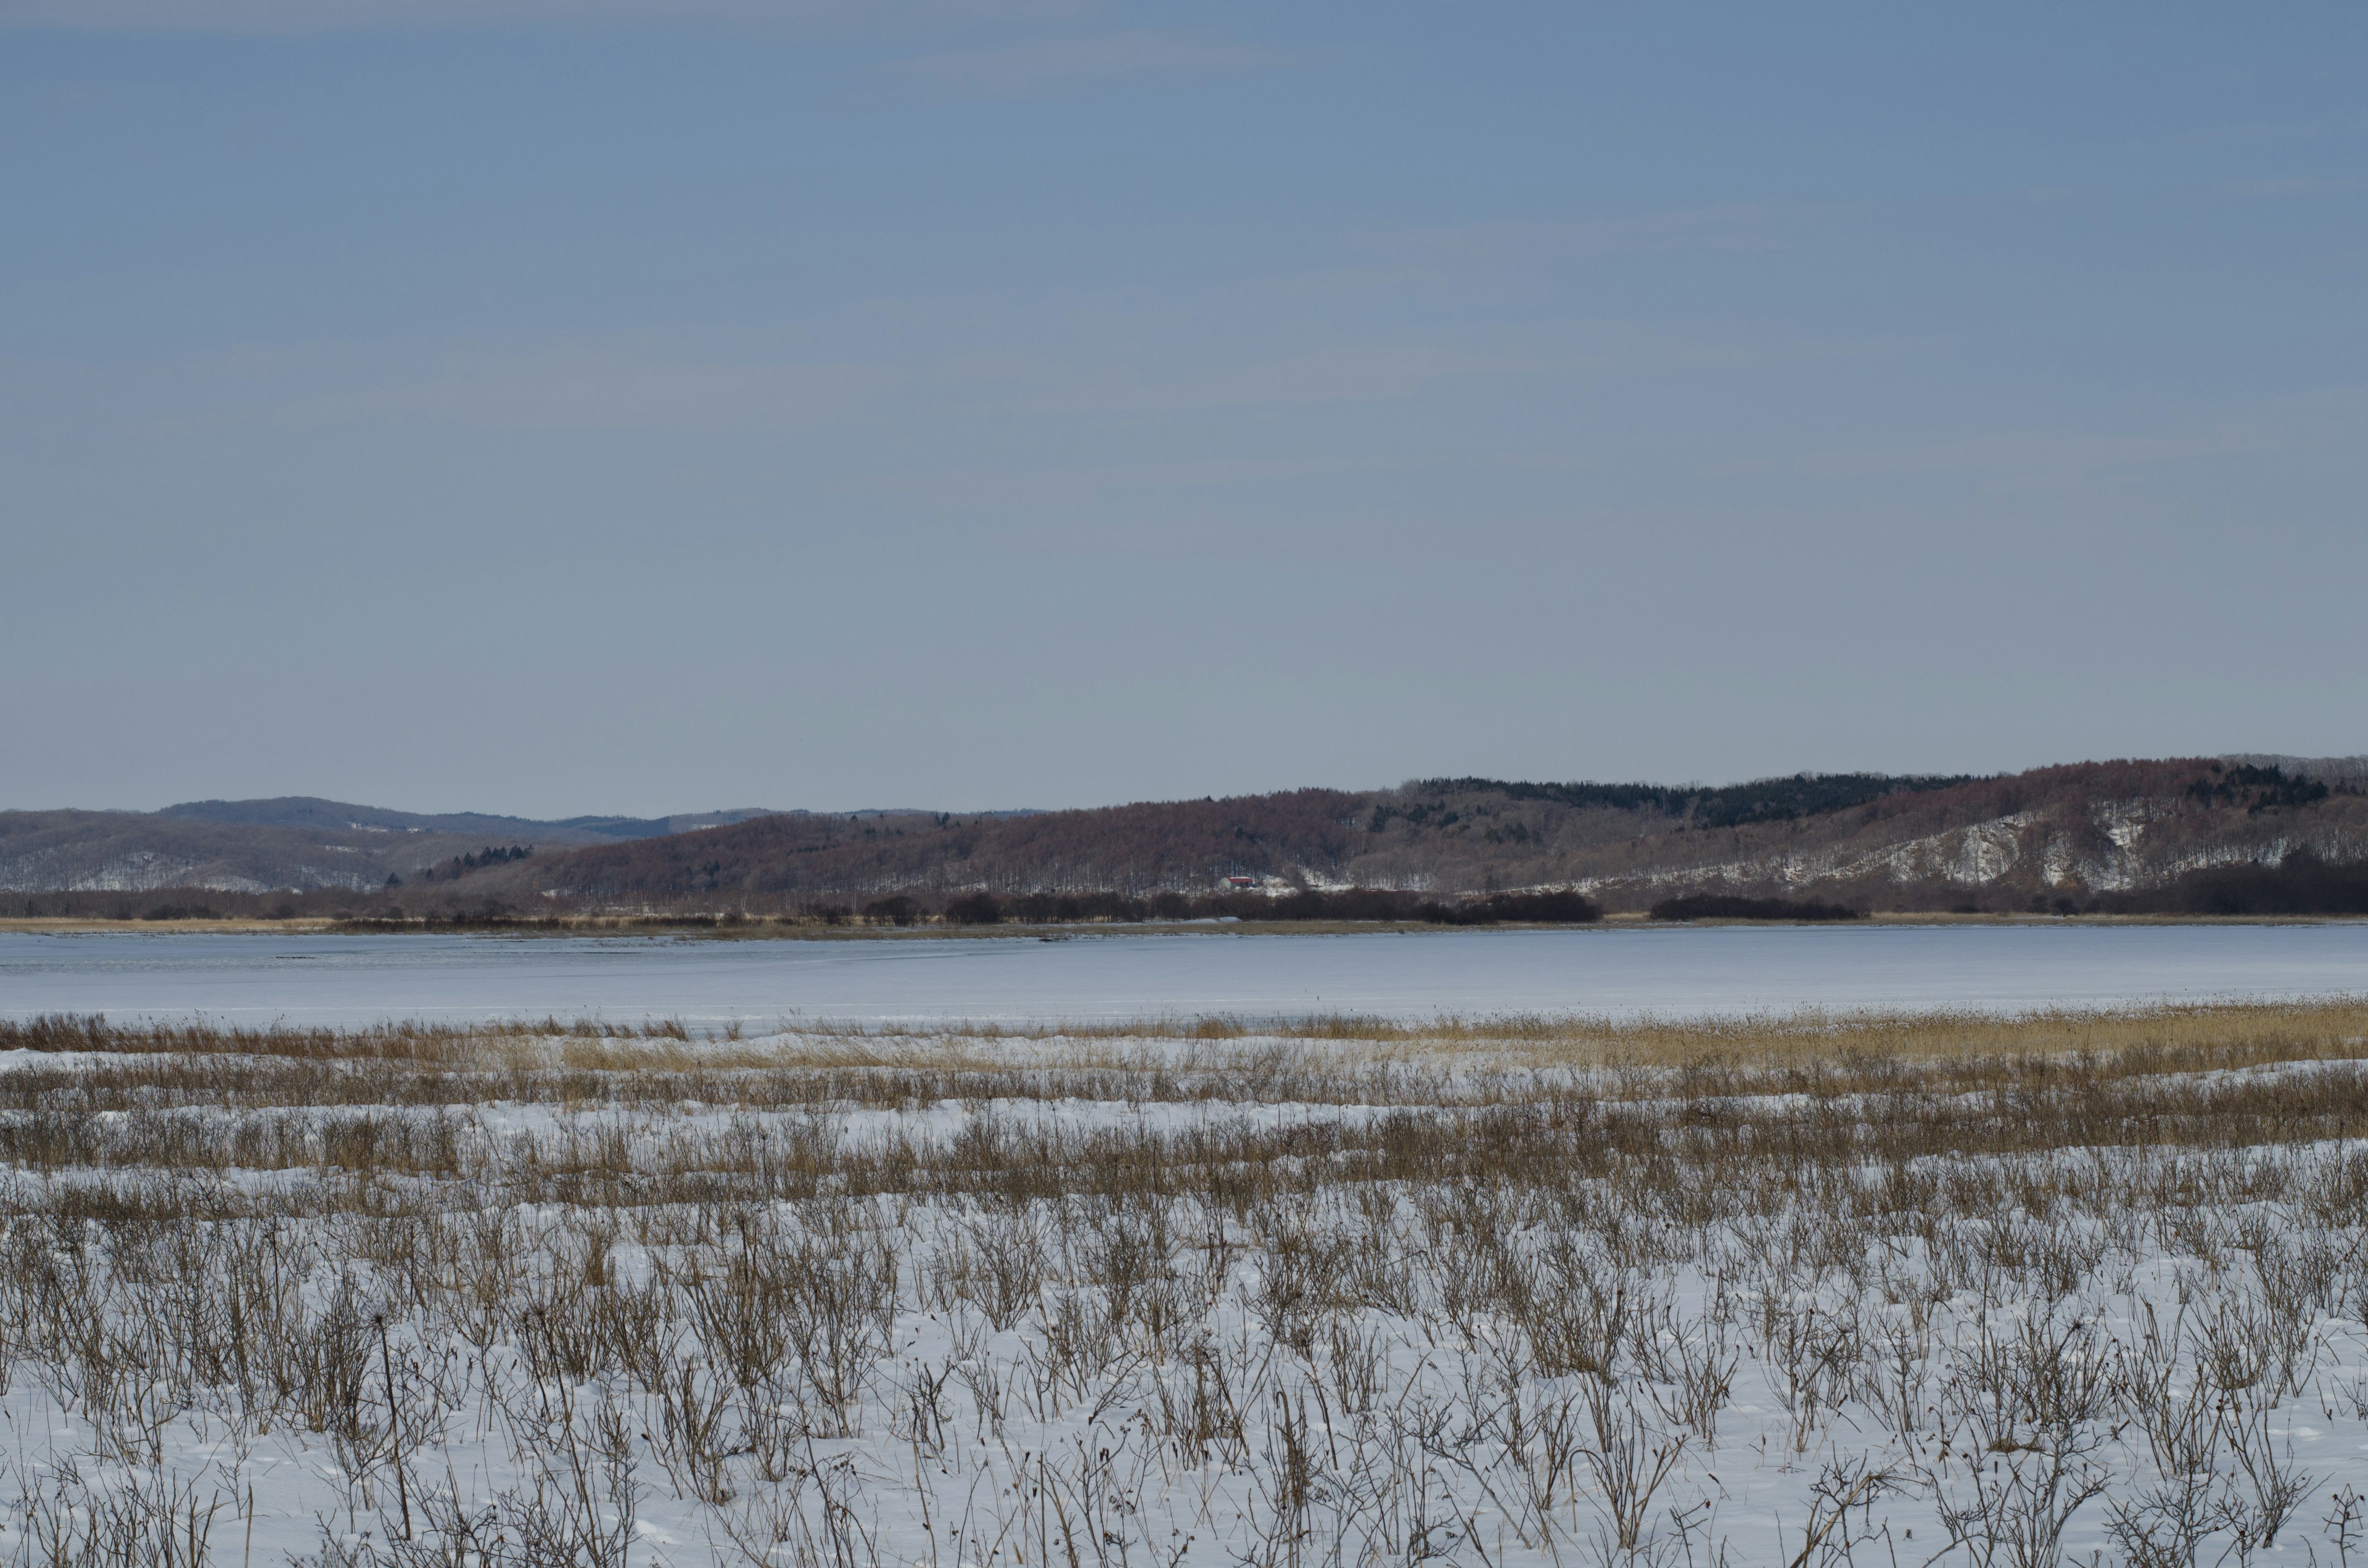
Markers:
point(2337, 1024)
point(1260, 1293)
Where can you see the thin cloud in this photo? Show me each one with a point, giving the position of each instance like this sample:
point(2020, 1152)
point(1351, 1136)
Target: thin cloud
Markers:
point(343, 15)
point(530, 387)
point(1343, 374)
point(600, 392)
point(2035, 454)
point(1731, 227)
point(2294, 185)
point(1051, 64)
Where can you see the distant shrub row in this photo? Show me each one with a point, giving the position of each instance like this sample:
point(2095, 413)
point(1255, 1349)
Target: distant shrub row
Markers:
point(1344, 905)
point(390, 910)
point(1726, 907)
point(1533, 908)
point(2301, 884)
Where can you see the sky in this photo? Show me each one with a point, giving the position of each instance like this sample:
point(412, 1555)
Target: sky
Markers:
point(658, 405)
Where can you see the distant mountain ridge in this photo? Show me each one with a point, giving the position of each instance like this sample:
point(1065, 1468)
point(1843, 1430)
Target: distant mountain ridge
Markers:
point(658, 827)
point(294, 843)
point(312, 811)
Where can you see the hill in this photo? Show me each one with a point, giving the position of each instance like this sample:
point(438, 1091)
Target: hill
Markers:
point(293, 843)
point(2086, 835)
point(2232, 835)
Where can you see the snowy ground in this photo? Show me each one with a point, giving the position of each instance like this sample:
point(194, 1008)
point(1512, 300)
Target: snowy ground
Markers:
point(1147, 1303)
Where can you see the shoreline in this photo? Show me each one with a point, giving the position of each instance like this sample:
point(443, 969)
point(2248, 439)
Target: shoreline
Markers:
point(789, 929)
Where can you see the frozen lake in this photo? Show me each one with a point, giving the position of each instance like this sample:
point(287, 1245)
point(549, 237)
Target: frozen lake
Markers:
point(349, 980)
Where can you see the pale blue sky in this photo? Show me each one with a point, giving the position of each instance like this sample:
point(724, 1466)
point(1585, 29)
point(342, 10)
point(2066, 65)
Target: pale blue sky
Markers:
point(657, 404)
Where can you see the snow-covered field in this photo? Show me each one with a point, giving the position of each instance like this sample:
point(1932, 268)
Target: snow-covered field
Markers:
point(1880, 1290)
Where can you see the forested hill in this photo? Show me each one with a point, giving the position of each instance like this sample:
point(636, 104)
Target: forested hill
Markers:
point(1725, 805)
point(2078, 834)
point(2233, 835)
point(1183, 845)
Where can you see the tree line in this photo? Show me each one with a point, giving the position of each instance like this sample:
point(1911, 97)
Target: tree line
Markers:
point(1362, 905)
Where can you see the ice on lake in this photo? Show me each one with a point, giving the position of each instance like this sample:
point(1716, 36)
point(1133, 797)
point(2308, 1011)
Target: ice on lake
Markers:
point(313, 979)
